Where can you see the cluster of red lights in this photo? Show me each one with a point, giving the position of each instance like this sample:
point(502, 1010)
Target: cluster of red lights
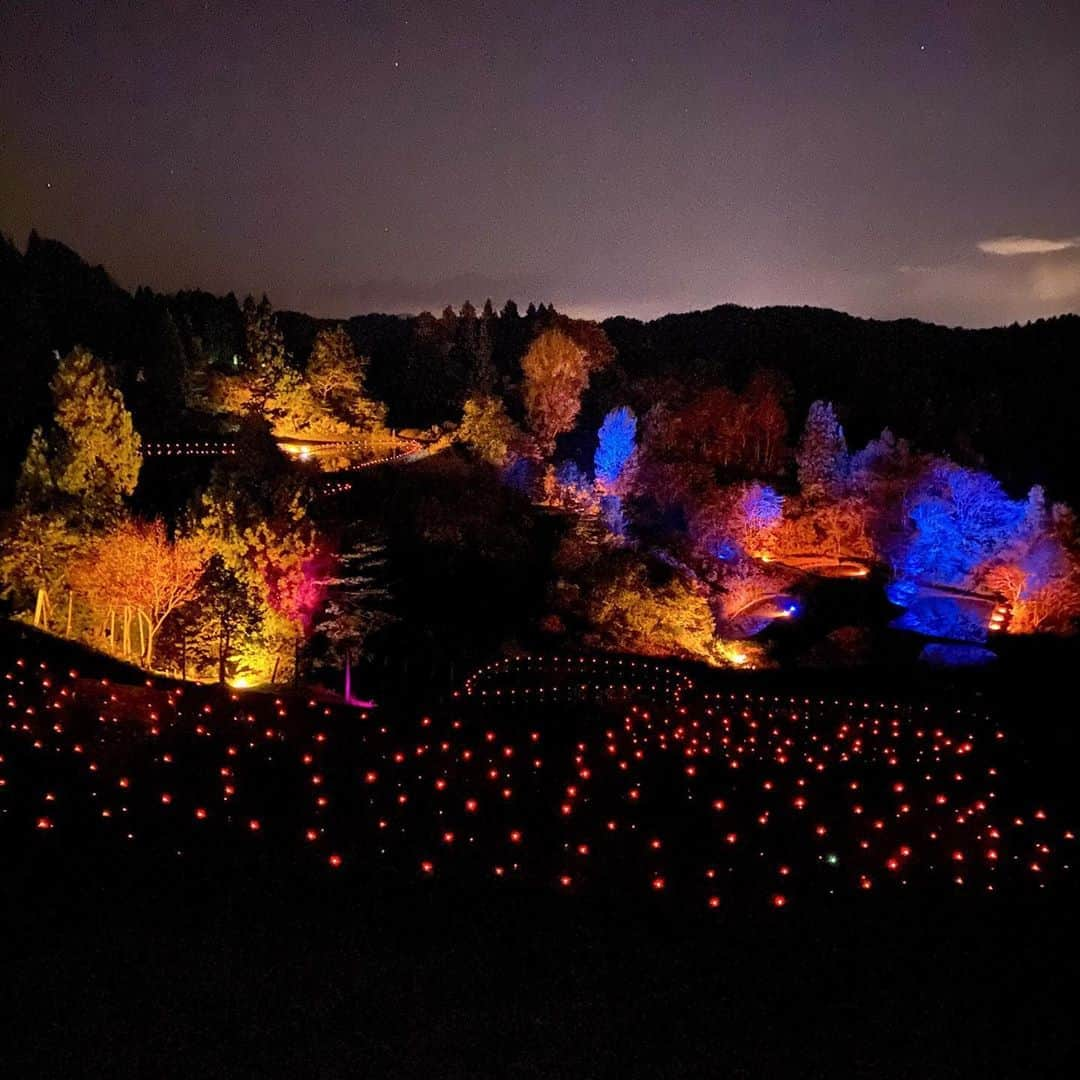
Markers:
point(700, 797)
point(335, 487)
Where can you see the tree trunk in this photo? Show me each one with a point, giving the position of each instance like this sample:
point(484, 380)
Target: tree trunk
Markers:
point(223, 652)
point(70, 596)
point(41, 610)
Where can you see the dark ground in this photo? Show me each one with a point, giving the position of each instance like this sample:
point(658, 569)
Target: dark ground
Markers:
point(243, 959)
point(229, 971)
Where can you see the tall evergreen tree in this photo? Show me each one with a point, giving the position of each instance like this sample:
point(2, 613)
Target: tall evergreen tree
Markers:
point(264, 349)
point(822, 458)
point(482, 377)
point(225, 616)
point(91, 455)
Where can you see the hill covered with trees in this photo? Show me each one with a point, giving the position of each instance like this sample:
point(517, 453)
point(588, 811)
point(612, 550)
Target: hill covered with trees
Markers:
point(1000, 397)
point(666, 488)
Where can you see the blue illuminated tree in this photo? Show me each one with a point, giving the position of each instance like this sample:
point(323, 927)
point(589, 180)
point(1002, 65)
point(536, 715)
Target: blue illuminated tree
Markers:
point(617, 440)
point(961, 519)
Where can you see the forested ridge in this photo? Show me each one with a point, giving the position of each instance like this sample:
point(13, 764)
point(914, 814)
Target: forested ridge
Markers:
point(1002, 397)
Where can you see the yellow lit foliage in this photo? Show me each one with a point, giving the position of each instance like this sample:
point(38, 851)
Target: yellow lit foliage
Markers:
point(556, 373)
point(633, 614)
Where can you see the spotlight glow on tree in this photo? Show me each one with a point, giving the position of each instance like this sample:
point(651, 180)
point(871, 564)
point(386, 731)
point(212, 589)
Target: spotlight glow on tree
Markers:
point(556, 371)
point(617, 442)
point(823, 456)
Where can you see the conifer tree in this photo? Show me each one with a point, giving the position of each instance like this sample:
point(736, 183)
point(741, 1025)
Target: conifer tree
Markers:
point(264, 349)
point(822, 458)
point(91, 455)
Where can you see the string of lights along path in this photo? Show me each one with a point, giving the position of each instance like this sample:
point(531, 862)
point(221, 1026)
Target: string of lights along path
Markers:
point(404, 448)
point(565, 774)
point(186, 448)
point(405, 451)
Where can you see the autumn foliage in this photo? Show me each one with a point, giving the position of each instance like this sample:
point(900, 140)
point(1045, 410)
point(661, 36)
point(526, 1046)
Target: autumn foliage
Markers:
point(136, 570)
point(556, 371)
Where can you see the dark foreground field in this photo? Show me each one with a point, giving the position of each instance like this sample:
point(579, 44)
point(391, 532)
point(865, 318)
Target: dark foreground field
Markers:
point(233, 971)
point(206, 946)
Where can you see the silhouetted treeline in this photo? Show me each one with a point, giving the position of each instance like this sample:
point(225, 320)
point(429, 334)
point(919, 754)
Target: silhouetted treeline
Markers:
point(1002, 397)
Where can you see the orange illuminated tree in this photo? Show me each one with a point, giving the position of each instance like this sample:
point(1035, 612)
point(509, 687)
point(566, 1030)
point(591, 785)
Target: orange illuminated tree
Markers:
point(137, 571)
point(556, 373)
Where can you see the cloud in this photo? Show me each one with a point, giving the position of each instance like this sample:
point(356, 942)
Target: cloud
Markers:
point(1026, 245)
point(976, 291)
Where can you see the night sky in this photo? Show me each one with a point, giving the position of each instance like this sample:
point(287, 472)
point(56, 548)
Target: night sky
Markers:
point(887, 159)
